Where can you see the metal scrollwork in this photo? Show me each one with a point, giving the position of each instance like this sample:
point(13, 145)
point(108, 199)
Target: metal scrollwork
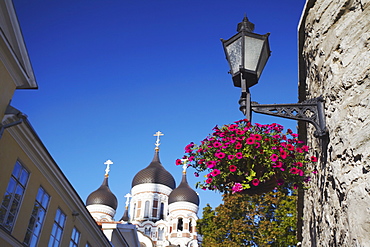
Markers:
point(311, 111)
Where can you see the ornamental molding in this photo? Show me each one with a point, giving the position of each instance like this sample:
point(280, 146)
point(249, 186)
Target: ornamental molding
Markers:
point(93, 209)
point(186, 206)
point(151, 188)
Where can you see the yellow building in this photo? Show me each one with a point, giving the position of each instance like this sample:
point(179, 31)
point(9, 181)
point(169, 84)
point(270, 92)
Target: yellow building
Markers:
point(38, 205)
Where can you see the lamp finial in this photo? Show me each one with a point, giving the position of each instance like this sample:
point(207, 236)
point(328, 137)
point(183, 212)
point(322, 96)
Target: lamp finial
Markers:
point(245, 25)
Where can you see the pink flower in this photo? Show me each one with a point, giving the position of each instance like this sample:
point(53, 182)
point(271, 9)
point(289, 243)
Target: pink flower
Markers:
point(237, 187)
point(238, 145)
point(191, 158)
point(257, 145)
point(299, 164)
point(220, 155)
point(295, 186)
point(240, 132)
point(209, 180)
point(294, 170)
point(314, 171)
point(250, 140)
point(239, 155)
point(299, 150)
point(232, 168)
point(215, 172)
point(274, 157)
point(196, 174)
point(257, 137)
point(283, 154)
point(178, 162)
point(300, 172)
point(230, 156)
point(211, 164)
point(216, 144)
point(290, 147)
point(255, 182)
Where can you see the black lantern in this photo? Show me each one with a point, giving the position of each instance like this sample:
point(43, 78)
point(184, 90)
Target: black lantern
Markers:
point(247, 54)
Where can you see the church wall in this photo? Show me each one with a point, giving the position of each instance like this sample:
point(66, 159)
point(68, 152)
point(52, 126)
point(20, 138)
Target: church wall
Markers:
point(334, 55)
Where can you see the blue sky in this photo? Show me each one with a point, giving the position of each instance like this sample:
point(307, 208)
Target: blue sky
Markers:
point(113, 72)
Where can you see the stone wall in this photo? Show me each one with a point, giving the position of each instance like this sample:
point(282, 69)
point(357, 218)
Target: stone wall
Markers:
point(334, 57)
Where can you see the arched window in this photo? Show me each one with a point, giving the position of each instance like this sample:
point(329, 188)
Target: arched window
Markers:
point(180, 224)
point(160, 234)
point(190, 225)
point(146, 210)
point(161, 212)
point(133, 214)
point(147, 231)
point(155, 208)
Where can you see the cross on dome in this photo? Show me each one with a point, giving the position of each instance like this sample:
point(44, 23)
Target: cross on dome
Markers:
point(157, 143)
point(128, 196)
point(185, 165)
point(108, 163)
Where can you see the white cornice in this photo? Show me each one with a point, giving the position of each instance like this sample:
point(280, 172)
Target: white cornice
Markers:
point(19, 66)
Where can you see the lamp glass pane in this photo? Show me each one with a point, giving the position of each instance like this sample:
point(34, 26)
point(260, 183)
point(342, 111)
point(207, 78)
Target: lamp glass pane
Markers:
point(264, 57)
point(253, 47)
point(234, 51)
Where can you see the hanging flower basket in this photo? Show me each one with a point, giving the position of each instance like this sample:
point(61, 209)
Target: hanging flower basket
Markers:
point(251, 159)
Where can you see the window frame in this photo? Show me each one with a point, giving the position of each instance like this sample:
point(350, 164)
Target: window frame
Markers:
point(41, 204)
point(16, 183)
point(54, 238)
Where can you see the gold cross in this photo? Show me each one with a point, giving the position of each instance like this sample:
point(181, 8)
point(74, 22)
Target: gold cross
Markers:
point(157, 134)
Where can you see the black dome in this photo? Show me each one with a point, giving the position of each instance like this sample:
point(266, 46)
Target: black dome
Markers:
point(183, 193)
point(103, 196)
point(154, 173)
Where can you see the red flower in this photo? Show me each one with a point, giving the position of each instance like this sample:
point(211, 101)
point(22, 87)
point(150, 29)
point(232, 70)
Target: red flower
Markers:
point(283, 154)
point(294, 170)
point(209, 180)
point(230, 156)
point(216, 144)
point(257, 137)
point(238, 145)
point(232, 168)
point(290, 147)
point(313, 159)
point(255, 182)
point(178, 162)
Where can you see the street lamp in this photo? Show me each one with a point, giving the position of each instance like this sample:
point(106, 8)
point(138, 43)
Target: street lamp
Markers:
point(247, 54)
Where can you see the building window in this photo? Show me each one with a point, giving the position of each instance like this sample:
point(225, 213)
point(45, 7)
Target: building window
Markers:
point(161, 212)
point(155, 208)
point(147, 231)
point(88, 244)
point(75, 238)
point(13, 196)
point(37, 218)
point(180, 224)
point(138, 210)
point(160, 234)
point(57, 231)
point(190, 225)
point(146, 209)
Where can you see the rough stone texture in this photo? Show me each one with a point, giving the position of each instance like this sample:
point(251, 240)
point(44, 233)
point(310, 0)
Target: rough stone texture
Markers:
point(335, 62)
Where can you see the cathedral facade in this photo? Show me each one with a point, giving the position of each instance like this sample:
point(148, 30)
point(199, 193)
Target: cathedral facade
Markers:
point(164, 215)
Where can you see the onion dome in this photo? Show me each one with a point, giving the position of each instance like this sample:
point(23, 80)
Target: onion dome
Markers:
point(125, 215)
point(183, 193)
point(103, 196)
point(154, 173)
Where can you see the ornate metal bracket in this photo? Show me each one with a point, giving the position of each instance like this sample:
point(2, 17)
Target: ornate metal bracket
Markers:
point(311, 111)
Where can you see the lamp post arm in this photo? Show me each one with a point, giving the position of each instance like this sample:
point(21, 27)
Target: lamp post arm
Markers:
point(311, 111)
